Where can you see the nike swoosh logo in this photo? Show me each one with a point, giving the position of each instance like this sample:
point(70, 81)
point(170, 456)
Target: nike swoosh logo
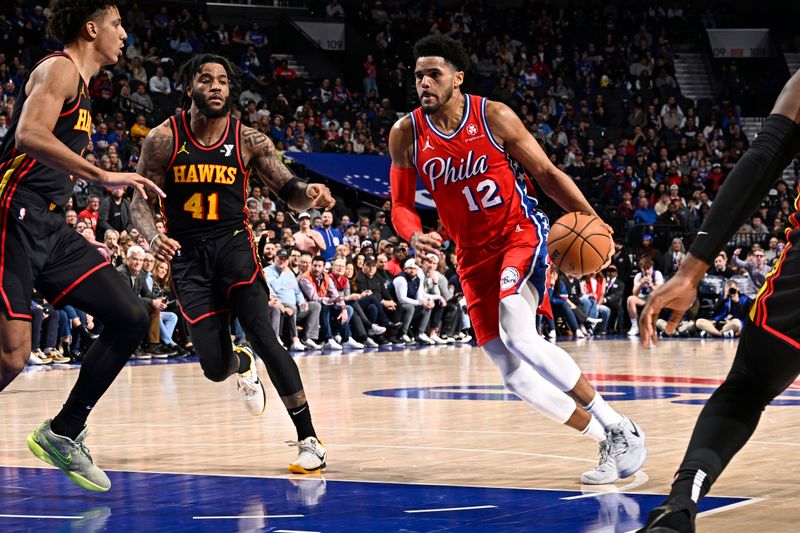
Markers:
point(702, 233)
point(237, 232)
point(66, 460)
point(634, 429)
point(294, 413)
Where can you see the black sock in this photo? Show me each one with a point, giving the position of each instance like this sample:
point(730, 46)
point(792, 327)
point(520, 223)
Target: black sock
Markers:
point(301, 418)
point(72, 418)
point(244, 363)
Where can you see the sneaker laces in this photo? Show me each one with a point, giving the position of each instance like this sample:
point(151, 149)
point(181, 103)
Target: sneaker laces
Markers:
point(618, 441)
point(248, 385)
point(304, 445)
point(605, 451)
point(80, 443)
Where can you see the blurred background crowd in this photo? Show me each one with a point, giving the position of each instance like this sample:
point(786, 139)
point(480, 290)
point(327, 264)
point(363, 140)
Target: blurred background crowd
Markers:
point(604, 88)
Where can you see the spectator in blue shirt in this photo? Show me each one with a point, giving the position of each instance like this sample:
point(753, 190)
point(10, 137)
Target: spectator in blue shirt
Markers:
point(645, 215)
point(283, 286)
point(332, 236)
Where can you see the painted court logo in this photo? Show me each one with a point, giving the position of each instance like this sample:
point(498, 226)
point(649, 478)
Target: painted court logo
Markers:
point(508, 278)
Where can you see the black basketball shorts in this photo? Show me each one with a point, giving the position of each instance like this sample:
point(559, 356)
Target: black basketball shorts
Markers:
point(37, 249)
point(206, 271)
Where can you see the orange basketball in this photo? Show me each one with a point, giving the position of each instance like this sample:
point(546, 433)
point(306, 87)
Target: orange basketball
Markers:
point(578, 244)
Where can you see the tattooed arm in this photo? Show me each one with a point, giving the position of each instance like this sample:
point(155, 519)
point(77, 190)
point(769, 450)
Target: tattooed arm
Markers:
point(153, 161)
point(259, 156)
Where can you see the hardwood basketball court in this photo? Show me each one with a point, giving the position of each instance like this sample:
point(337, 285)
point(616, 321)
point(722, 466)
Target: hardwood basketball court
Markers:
point(418, 440)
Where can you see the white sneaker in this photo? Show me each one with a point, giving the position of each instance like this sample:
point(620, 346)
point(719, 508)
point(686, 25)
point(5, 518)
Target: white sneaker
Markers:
point(551, 334)
point(337, 338)
point(406, 339)
point(352, 343)
point(437, 339)
point(594, 321)
point(606, 470)
point(311, 458)
point(424, 339)
point(627, 447)
point(449, 340)
point(369, 343)
point(34, 359)
point(331, 344)
point(297, 346)
point(580, 335)
point(729, 334)
point(251, 389)
point(464, 339)
point(634, 331)
point(310, 343)
point(375, 329)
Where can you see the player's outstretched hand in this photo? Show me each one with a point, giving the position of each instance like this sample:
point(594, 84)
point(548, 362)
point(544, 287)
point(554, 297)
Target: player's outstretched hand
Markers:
point(117, 180)
point(164, 248)
point(677, 294)
point(320, 196)
point(426, 243)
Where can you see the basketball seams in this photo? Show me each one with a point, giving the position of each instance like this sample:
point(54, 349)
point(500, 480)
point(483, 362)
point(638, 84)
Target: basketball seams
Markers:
point(574, 232)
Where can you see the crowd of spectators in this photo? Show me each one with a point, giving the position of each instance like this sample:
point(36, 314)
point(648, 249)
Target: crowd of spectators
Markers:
point(595, 86)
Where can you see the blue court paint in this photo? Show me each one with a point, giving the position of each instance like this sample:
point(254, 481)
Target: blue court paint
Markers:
point(610, 392)
point(146, 502)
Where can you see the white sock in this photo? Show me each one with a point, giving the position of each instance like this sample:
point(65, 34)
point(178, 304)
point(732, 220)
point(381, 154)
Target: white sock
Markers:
point(594, 430)
point(606, 414)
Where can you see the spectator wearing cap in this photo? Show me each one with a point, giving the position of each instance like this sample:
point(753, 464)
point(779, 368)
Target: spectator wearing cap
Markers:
point(307, 239)
point(114, 213)
point(293, 305)
point(393, 267)
point(368, 280)
point(367, 248)
point(381, 224)
point(332, 236)
point(414, 304)
point(317, 286)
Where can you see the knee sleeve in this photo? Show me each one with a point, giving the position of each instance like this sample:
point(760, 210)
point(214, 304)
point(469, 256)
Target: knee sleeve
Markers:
point(518, 333)
point(528, 385)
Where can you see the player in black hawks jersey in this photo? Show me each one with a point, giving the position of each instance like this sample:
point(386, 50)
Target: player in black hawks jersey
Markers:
point(39, 160)
point(203, 157)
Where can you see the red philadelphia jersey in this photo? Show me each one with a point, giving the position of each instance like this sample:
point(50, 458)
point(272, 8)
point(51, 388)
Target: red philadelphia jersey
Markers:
point(471, 179)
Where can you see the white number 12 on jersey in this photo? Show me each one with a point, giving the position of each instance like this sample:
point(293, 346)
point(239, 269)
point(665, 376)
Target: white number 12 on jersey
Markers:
point(490, 197)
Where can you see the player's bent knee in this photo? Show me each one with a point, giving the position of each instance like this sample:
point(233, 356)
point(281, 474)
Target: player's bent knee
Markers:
point(214, 371)
point(12, 362)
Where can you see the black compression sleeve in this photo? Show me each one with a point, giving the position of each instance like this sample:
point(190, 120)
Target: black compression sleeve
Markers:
point(290, 189)
point(777, 144)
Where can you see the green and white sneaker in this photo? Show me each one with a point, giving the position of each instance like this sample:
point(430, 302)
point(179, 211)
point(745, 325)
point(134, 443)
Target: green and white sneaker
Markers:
point(71, 456)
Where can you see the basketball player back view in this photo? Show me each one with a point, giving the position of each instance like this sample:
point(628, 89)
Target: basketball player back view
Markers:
point(462, 147)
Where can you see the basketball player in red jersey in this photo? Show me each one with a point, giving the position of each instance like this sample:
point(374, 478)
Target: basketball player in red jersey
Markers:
point(203, 157)
point(460, 145)
point(39, 160)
